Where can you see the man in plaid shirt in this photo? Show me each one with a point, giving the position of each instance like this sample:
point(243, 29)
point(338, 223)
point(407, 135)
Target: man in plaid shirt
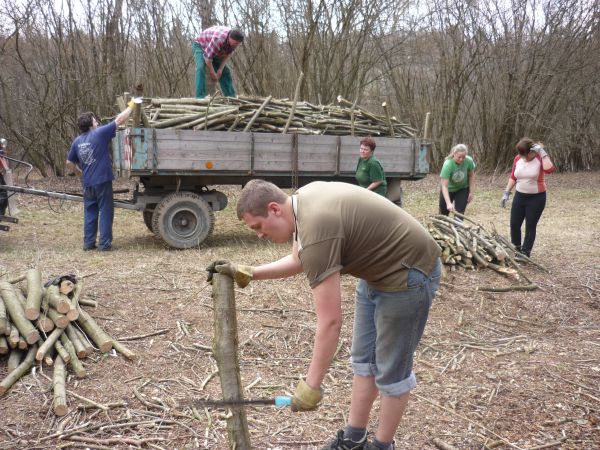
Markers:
point(213, 48)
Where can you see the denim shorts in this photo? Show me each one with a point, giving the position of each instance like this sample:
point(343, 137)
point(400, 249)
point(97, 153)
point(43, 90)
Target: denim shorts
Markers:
point(387, 329)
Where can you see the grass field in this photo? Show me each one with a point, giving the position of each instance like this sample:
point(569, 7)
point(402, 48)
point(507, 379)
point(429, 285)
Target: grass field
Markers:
point(511, 370)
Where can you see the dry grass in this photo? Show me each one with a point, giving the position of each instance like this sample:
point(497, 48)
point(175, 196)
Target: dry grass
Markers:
point(524, 367)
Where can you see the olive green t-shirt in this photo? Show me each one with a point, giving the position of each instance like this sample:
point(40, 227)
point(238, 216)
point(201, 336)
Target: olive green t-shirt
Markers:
point(345, 228)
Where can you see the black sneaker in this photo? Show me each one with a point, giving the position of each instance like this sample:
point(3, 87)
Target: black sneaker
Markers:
point(87, 249)
point(339, 443)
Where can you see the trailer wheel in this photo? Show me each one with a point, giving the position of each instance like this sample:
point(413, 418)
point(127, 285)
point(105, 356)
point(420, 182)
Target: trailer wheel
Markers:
point(147, 214)
point(183, 220)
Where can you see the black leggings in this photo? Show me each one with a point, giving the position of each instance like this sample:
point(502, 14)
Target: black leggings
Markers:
point(528, 208)
point(3, 197)
point(459, 198)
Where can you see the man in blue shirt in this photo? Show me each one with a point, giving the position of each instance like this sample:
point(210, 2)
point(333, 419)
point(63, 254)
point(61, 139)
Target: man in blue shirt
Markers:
point(90, 157)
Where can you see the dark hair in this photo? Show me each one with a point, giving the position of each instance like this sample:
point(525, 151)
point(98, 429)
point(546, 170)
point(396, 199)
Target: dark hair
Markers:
point(85, 121)
point(256, 196)
point(237, 35)
point(524, 146)
point(369, 142)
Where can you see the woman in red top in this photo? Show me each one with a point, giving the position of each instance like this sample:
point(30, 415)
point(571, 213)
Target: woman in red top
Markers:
point(528, 170)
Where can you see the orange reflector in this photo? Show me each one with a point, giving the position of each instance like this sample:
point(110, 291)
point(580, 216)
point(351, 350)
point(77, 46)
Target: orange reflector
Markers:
point(209, 164)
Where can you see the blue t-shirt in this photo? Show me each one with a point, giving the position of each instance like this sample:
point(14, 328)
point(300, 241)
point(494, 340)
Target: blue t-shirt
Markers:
point(91, 152)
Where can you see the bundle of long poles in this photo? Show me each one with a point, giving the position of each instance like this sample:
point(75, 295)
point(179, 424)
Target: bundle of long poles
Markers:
point(467, 244)
point(41, 325)
point(271, 115)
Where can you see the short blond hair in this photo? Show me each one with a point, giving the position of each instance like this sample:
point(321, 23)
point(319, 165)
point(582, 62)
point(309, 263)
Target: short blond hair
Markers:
point(256, 196)
point(458, 148)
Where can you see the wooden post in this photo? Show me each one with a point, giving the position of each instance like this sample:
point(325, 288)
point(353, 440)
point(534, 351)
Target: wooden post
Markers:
point(296, 95)
point(225, 349)
point(426, 126)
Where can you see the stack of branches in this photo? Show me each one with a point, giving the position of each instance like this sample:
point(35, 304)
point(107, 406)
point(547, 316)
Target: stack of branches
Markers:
point(467, 244)
point(259, 114)
point(47, 325)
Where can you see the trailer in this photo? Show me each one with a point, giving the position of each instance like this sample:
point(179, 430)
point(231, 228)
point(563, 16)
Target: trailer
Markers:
point(178, 172)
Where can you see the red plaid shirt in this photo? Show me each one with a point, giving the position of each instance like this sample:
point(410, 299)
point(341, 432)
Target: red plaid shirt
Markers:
point(214, 42)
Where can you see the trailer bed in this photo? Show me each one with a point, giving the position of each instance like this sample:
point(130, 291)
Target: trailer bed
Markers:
point(220, 157)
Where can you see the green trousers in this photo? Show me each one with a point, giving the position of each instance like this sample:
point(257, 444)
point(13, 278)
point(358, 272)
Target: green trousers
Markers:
point(226, 80)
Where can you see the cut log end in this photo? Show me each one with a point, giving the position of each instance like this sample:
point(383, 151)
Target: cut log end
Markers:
point(105, 347)
point(45, 324)
point(32, 313)
point(60, 410)
point(61, 321)
point(32, 337)
point(73, 315)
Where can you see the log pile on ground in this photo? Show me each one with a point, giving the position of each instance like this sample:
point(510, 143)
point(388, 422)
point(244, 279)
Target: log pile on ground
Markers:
point(46, 325)
point(270, 115)
point(467, 244)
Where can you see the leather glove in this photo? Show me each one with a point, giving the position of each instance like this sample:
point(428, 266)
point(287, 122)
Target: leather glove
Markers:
point(242, 275)
point(306, 398)
point(505, 197)
point(539, 150)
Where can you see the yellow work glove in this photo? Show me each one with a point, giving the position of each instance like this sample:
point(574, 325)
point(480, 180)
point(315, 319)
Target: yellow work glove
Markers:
point(306, 398)
point(133, 101)
point(241, 274)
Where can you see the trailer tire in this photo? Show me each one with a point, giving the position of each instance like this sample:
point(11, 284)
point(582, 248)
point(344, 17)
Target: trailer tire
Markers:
point(183, 220)
point(147, 214)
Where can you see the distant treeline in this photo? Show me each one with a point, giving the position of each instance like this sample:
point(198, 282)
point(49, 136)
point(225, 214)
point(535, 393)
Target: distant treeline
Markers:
point(489, 71)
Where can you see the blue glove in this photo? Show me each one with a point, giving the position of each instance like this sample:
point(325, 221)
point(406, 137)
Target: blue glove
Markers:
point(505, 197)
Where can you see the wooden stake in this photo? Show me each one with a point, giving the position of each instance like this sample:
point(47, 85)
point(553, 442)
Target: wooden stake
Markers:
point(75, 339)
point(123, 350)
point(3, 317)
point(60, 320)
point(17, 313)
point(34, 294)
point(21, 370)
point(58, 384)
point(14, 359)
point(59, 301)
point(60, 349)
point(225, 351)
point(43, 323)
point(93, 330)
point(74, 361)
point(296, 95)
point(48, 343)
point(13, 336)
point(3, 346)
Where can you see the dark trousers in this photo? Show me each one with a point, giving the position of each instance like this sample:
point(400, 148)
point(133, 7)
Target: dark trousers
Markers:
point(528, 208)
point(98, 210)
point(459, 198)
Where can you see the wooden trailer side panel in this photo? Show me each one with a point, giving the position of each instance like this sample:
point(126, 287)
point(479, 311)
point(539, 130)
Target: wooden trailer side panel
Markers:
point(151, 151)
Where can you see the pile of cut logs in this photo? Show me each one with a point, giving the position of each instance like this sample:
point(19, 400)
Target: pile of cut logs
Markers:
point(259, 114)
point(467, 244)
point(47, 325)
